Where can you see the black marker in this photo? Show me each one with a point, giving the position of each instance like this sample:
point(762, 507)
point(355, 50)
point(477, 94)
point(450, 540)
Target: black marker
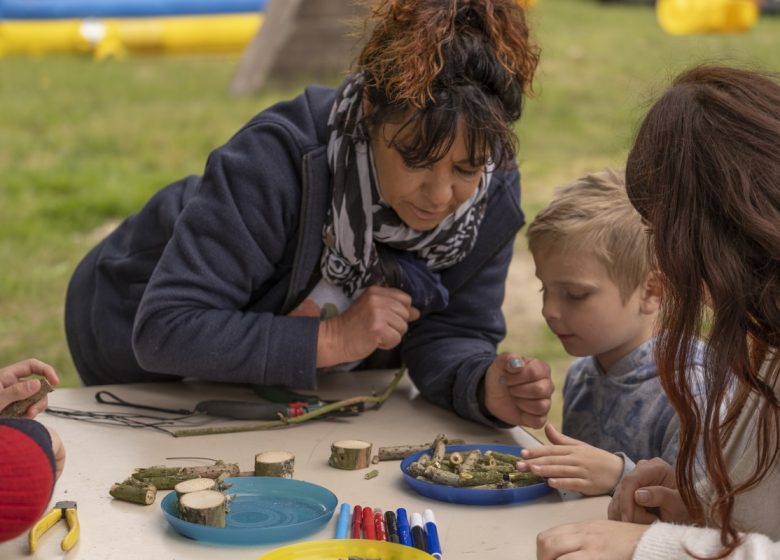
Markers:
point(391, 527)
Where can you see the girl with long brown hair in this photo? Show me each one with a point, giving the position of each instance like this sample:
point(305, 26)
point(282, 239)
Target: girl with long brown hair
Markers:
point(704, 173)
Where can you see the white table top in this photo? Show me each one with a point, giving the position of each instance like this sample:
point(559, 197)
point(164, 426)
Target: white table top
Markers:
point(99, 455)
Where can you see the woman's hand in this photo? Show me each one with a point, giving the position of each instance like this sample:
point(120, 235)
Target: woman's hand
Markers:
point(13, 388)
point(571, 464)
point(378, 319)
point(518, 391)
point(651, 485)
point(598, 540)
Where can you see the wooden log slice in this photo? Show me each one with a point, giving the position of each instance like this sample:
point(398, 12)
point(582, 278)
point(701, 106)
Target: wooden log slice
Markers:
point(280, 464)
point(206, 507)
point(194, 485)
point(350, 454)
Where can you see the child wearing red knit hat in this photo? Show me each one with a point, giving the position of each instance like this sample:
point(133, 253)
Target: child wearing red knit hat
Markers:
point(31, 456)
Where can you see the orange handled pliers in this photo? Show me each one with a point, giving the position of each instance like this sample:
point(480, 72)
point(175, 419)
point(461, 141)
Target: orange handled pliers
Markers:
point(60, 510)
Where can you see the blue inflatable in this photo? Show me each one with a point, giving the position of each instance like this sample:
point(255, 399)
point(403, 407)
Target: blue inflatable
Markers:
point(79, 9)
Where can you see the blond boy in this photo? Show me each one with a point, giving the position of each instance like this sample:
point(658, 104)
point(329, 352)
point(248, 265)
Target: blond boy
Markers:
point(601, 298)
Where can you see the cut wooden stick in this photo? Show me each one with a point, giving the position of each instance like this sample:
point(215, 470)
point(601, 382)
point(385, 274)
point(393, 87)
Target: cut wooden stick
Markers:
point(166, 478)
point(206, 507)
point(18, 408)
point(398, 452)
point(284, 421)
point(350, 454)
point(280, 464)
point(134, 491)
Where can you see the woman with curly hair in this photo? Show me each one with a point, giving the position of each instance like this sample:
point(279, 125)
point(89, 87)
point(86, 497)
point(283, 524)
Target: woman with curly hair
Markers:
point(359, 227)
point(704, 173)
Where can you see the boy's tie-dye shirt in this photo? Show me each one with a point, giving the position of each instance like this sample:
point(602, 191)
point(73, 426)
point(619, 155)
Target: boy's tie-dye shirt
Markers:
point(625, 409)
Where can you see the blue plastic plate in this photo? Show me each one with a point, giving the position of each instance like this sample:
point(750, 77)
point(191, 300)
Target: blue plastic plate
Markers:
point(471, 496)
point(264, 510)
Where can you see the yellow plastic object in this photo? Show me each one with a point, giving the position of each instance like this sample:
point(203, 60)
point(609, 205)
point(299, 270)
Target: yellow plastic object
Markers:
point(68, 509)
point(117, 36)
point(683, 17)
point(337, 549)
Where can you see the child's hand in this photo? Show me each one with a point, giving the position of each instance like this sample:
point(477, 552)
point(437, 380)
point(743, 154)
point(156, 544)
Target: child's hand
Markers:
point(570, 464)
point(13, 388)
point(518, 390)
point(59, 451)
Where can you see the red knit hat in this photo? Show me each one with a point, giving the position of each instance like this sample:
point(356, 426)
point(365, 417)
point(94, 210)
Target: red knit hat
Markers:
point(26, 481)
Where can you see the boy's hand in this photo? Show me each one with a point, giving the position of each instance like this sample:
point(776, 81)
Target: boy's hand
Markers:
point(570, 464)
point(518, 390)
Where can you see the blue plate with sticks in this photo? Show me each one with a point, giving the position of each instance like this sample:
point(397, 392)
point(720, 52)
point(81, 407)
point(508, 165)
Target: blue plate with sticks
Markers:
point(262, 510)
point(473, 496)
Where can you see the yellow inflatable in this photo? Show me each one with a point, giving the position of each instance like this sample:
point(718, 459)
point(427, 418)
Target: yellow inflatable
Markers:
point(228, 33)
point(682, 17)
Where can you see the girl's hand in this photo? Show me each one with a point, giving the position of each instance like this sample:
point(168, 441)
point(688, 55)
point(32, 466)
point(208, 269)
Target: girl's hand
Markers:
point(597, 540)
point(571, 464)
point(518, 390)
point(378, 319)
point(651, 485)
point(13, 389)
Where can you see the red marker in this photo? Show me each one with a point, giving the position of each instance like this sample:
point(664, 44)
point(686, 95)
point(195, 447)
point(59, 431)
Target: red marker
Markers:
point(368, 524)
point(357, 520)
point(379, 525)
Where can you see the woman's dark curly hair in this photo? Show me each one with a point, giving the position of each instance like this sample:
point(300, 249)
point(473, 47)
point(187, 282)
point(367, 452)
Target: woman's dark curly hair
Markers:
point(704, 172)
point(451, 63)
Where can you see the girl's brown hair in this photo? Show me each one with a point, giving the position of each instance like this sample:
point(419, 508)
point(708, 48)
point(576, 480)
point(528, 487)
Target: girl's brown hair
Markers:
point(452, 63)
point(704, 172)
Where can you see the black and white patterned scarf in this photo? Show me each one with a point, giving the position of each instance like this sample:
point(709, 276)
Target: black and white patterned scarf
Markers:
point(359, 218)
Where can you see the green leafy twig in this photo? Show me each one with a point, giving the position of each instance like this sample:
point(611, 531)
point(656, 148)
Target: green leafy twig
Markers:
point(288, 421)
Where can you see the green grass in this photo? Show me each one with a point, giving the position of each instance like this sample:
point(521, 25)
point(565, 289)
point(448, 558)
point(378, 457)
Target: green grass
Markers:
point(84, 143)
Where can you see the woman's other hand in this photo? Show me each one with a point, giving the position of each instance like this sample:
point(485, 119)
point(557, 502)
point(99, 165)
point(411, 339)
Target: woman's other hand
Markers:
point(378, 319)
point(571, 464)
point(596, 540)
point(651, 485)
point(14, 388)
point(518, 391)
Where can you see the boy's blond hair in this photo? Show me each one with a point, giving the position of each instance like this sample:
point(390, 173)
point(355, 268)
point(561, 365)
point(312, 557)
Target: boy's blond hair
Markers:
point(594, 214)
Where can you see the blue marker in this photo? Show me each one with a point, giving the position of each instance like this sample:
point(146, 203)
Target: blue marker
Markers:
point(432, 545)
point(342, 525)
point(404, 532)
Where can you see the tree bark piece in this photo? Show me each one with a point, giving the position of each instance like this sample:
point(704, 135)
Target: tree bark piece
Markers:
point(350, 454)
point(134, 491)
point(438, 449)
point(398, 452)
point(206, 507)
point(194, 485)
point(18, 408)
point(280, 464)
